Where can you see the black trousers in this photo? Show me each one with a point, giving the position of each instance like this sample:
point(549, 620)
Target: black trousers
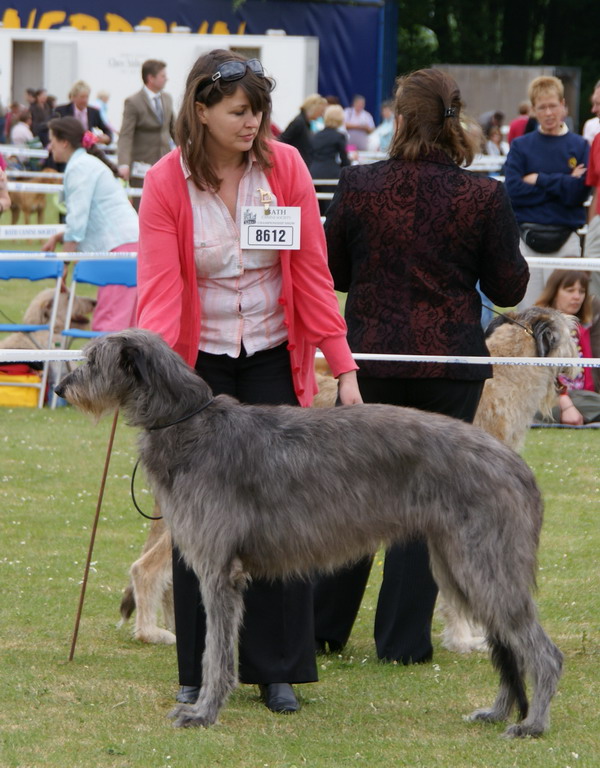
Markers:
point(408, 591)
point(277, 638)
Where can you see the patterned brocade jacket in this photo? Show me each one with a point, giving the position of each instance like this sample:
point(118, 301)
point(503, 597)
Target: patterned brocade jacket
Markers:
point(408, 242)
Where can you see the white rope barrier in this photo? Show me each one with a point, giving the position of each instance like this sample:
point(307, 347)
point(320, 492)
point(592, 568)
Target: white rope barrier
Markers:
point(544, 362)
point(29, 186)
point(46, 174)
point(49, 189)
point(18, 149)
point(43, 355)
point(570, 262)
point(40, 355)
point(65, 255)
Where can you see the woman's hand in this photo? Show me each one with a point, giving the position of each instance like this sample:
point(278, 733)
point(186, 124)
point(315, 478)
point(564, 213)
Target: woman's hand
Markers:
point(568, 412)
point(51, 243)
point(348, 390)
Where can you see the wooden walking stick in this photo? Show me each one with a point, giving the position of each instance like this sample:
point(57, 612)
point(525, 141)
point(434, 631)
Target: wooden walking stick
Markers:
point(93, 536)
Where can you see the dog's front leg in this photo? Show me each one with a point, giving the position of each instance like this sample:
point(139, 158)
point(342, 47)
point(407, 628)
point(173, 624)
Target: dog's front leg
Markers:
point(223, 598)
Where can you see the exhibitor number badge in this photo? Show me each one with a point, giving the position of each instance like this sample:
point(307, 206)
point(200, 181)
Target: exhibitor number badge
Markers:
point(271, 227)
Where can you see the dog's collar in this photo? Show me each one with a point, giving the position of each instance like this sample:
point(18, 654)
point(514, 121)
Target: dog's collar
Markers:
point(511, 320)
point(183, 418)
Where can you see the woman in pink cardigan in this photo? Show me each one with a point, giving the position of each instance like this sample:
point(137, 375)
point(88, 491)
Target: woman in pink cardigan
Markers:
point(248, 320)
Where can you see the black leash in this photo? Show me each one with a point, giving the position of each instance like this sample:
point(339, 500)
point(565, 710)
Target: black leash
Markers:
point(509, 319)
point(153, 429)
point(27, 333)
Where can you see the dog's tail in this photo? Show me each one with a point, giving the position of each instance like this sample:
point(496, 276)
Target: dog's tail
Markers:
point(127, 604)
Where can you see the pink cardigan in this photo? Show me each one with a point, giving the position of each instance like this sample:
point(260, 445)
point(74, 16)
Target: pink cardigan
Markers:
point(168, 301)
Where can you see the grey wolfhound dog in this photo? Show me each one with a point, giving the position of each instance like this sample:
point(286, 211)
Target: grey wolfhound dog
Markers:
point(273, 491)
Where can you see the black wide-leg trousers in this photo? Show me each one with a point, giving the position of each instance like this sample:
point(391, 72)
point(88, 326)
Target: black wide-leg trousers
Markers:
point(277, 638)
point(408, 591)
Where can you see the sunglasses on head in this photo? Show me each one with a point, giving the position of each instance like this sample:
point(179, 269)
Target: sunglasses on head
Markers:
point(231, 70)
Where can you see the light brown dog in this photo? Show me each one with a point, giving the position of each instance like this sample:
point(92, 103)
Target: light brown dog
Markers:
point(39, 312)
point(507, 408)
point(30, 203)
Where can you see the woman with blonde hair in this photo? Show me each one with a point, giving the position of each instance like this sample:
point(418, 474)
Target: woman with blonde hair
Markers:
point(298, 132)
point(408, 239)
point(329, 151)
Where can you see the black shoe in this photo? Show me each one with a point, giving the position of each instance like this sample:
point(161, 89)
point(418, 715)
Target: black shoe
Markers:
point(279, 697)
point(188, 694)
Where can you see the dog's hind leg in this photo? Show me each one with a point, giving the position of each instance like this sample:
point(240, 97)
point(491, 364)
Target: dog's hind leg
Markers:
point(526, 650)
point(223, 598)
point(512, 686)
point(543, 663)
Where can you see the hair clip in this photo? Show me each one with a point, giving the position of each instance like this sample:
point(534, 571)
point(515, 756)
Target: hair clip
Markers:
point(450, 112)
point(89, 139)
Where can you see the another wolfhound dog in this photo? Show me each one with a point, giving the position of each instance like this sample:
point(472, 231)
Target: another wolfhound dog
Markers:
point(271, 491)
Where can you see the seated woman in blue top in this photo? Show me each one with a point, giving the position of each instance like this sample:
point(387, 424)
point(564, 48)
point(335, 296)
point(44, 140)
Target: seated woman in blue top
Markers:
point(99, 218)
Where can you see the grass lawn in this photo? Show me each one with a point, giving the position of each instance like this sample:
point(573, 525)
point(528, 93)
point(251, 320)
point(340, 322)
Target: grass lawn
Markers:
point(107, 708)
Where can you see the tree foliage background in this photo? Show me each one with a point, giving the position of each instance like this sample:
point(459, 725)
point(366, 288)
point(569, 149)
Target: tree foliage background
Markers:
point(518, 32)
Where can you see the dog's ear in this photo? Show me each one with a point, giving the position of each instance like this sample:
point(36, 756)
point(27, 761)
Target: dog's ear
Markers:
point(39, 311)
point(134, 361)
point(545, 338)
point(497, 322)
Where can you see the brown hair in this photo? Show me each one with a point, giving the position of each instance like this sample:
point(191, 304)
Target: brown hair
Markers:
point(565, 278)
point(70, 129)
point(429, 103)
point(152, 67)
point(190, 131)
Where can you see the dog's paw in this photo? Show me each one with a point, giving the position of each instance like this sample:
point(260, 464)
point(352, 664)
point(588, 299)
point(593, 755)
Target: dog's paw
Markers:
point(522, 731)
point(188, 716)
point(485, 716)
point(156, 636)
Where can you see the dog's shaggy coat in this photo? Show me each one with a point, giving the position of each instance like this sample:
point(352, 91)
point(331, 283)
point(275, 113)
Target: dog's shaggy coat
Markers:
point(272, 491)
point(506, 410)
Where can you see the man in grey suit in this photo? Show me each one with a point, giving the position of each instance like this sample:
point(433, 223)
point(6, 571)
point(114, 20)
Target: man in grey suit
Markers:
point(148, 125)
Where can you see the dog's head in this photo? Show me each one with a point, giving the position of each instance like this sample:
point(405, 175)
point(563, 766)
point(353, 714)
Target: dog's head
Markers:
point(40, 310)
point(136, 371)
point(534, 332)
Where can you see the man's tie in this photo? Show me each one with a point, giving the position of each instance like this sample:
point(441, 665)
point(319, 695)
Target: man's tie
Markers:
point(158, 108)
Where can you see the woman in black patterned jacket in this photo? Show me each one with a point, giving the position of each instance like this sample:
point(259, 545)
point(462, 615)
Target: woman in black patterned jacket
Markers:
point(408, 239)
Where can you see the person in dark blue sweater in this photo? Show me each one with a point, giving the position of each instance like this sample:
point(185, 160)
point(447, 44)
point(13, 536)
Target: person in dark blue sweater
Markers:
point(545, 180)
